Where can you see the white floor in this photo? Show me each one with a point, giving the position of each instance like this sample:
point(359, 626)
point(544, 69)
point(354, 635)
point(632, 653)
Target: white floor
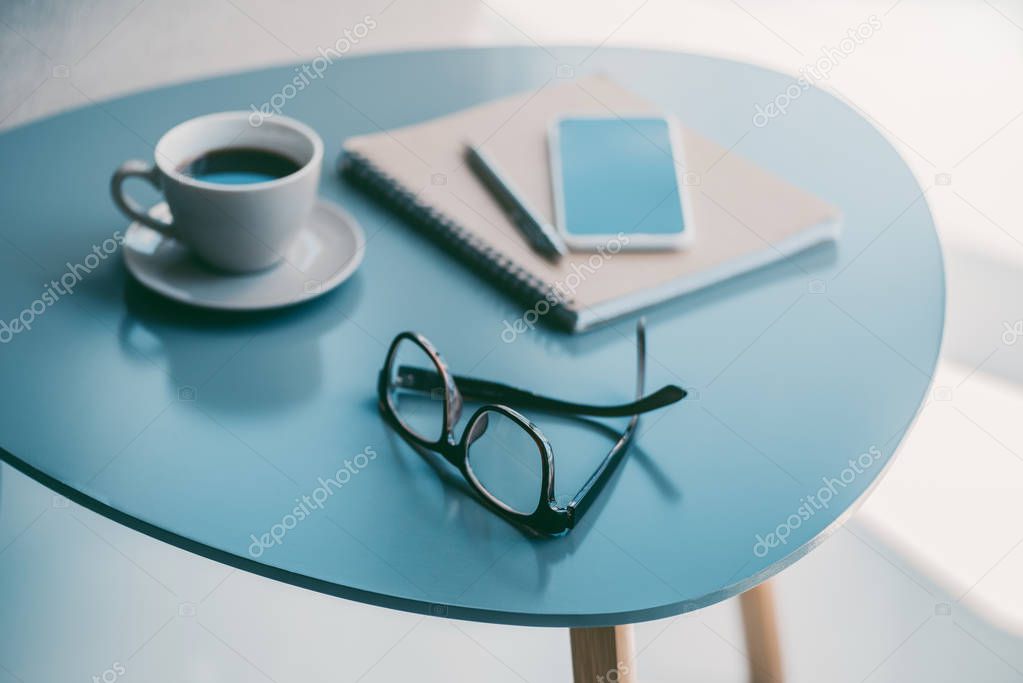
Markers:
point(923, 584)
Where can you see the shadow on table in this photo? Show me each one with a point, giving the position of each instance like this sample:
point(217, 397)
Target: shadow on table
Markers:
point(473, 514)
point(263, 361)
point(816, 261)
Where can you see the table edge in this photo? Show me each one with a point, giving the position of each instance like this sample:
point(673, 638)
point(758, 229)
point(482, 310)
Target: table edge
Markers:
point(415, 605)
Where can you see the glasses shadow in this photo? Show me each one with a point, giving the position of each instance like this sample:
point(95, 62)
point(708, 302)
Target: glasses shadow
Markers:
point(546, 550)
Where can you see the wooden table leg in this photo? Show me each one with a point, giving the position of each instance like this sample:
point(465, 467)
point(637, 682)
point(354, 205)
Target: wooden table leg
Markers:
point(760, 623)
point(606, 654)
point(603, 654)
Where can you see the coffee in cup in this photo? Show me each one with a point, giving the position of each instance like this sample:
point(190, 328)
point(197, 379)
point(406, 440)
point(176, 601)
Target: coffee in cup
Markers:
point(238, 194)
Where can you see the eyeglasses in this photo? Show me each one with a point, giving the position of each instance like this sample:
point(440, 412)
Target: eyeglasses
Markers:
point(503, 456)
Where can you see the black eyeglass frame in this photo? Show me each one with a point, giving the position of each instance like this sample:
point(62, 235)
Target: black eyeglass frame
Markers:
point(548, 517)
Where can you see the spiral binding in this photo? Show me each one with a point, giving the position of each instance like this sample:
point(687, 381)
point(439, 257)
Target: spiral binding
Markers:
point(511, 277)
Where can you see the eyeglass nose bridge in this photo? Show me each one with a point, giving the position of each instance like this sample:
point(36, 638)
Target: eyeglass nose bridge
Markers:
point(477, 428)
point(452, 404)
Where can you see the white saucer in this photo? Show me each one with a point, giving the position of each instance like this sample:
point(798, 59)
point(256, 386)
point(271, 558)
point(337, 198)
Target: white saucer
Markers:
point(324, 254)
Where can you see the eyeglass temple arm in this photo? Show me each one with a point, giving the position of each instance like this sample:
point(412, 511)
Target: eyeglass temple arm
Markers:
point(494, 392)
point(584, 498)
point(421, 379)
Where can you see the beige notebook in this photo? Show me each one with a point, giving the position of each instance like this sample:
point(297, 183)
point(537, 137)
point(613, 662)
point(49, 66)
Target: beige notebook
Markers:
point(743, 216)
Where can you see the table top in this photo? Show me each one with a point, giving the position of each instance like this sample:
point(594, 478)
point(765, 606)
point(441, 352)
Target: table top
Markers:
point(208, 430)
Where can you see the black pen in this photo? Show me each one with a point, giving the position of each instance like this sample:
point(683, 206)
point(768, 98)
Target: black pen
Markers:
point(538, 233)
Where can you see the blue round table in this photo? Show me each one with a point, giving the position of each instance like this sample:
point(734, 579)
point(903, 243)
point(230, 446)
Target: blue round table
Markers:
point(208, 430)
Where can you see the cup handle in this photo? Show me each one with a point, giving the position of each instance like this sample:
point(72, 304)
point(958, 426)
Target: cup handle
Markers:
point(127, 205)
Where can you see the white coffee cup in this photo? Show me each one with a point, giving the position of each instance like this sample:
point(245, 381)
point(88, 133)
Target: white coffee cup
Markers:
point(239, 228)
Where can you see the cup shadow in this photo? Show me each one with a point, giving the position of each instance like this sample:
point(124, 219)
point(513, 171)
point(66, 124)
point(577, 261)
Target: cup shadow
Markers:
point(241, 362)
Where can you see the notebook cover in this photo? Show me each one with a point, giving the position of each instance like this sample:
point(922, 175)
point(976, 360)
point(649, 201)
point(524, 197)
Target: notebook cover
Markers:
point(743, 216)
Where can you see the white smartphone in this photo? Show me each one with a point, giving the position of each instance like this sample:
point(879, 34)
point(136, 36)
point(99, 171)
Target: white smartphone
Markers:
point(619, 179)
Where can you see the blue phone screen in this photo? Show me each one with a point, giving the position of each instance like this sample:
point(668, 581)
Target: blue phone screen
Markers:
point(617, 175)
